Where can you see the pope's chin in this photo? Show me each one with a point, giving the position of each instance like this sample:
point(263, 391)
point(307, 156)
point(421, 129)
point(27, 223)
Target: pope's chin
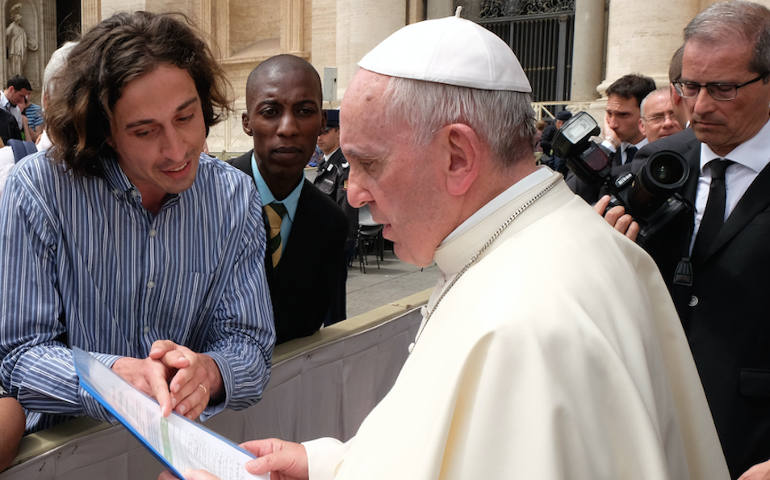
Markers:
point(408, 255)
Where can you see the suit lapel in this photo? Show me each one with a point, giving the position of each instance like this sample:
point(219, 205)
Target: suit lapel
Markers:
point(755, 200)
point(243, 163)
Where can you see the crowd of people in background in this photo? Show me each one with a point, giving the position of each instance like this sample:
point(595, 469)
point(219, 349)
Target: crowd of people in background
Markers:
point(658, 357)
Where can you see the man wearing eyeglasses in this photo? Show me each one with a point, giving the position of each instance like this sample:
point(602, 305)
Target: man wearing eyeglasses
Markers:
point(715, 259)
point(657, 119)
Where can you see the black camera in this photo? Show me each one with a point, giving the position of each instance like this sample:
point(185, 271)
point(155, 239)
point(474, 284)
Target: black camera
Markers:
point(651, 196)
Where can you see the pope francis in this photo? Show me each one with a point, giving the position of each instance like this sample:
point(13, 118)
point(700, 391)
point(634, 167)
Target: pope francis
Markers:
point(550, 348)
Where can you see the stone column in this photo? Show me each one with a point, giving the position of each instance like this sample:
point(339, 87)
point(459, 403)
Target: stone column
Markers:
point(588, 49)
point(642, 36)
point(415, 11)
point(361, 25)
point(292, 22)
point(91, 14)
point(221, 24)
point(48, 44)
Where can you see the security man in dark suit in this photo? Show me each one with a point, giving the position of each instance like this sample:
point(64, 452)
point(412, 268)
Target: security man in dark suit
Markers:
point(715, 258)
point(284, 117)
point(332, 178)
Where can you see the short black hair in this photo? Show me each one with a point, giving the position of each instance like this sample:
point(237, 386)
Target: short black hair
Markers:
point(18, 83)
point(632, 85)
point(286, 62)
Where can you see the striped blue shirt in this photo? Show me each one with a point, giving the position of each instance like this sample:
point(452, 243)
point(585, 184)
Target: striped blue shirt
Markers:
point(34, 115)
point(83, 264)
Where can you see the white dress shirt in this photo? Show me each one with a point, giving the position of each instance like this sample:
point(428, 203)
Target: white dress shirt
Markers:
point(750, 158)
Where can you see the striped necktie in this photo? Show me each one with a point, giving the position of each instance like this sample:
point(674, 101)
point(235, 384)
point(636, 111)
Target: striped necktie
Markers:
point(274, 213)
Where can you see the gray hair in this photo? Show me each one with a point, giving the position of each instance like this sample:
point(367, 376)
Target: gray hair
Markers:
point(662, 91)
point(724, 21)
point(505, 120)
point(55, 66)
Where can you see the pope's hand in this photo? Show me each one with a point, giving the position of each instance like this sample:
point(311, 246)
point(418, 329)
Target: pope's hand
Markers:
point(283, 460)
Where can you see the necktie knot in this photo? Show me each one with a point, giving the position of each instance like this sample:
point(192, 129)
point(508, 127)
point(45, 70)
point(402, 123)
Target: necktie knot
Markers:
point(718, 167)
point(274, 213)
point(278, 207)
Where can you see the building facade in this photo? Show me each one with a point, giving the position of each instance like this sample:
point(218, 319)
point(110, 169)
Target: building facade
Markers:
point(610, 38)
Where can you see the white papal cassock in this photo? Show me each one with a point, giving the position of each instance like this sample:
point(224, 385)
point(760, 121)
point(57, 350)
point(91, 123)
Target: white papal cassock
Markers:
point(558, 354)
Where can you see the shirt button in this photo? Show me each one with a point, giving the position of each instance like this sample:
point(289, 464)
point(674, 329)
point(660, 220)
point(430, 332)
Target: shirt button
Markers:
point(153, 232)
point(135, 193)
point(146, 329)
point(693, 301)
point(150, 284)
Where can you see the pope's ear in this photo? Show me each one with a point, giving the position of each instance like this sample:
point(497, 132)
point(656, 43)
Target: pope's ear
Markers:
point(464, 162)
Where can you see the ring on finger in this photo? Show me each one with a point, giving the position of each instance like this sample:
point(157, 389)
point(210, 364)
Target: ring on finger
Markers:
point(205, 390)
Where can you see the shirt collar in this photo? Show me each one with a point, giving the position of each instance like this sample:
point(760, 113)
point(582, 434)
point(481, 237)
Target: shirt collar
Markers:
point(327, 157)
point(509, 194)
point(642, 142)
point(114, 175)
point(754, 153)
point(121, 185)
point(290, 202)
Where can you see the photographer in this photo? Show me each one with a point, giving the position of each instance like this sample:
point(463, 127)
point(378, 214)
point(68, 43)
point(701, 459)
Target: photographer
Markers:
point(715, 257)
point(622, 132)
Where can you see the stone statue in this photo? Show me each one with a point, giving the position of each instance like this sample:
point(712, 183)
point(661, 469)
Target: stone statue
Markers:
point(16, 43)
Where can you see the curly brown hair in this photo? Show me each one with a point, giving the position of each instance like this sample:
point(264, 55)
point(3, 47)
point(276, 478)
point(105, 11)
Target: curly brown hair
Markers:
point(115, 52)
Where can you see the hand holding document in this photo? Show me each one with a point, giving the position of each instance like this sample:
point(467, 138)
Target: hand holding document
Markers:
point(179, 443)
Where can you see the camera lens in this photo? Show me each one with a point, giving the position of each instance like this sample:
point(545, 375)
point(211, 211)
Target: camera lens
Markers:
point(666, 169)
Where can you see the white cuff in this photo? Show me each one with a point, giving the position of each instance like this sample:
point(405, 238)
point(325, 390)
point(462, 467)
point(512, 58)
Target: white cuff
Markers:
point(324, 456)
point(610, 146)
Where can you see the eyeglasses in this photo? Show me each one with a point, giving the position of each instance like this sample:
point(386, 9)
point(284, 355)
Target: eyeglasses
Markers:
point(659, 118)
point(718, 91)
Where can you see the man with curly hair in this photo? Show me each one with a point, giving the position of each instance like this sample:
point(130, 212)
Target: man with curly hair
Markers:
point(125, 241)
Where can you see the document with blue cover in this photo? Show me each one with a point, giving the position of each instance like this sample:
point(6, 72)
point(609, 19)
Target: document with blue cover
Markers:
point(176, 441)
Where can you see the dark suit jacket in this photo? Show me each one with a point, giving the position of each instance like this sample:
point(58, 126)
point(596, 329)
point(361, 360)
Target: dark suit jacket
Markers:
point(726, 313)
point(9, 128)
point(307, 287)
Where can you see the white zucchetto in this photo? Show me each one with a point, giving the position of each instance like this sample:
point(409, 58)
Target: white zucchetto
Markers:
point(449, 50)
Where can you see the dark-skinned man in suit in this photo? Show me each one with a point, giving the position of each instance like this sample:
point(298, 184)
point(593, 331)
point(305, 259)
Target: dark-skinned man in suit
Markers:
point(284, 117)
